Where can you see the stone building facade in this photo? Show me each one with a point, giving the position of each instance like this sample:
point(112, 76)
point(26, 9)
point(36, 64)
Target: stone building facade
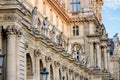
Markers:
point(66, 37)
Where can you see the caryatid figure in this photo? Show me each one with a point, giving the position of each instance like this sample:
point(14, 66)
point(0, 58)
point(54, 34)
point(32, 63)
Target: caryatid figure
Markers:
point(45, 26)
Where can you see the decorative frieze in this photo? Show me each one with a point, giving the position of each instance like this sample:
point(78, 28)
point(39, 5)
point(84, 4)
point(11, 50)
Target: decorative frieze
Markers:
point(9, 17)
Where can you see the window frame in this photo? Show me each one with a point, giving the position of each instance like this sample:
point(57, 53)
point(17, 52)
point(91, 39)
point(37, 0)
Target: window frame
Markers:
point(75, 30)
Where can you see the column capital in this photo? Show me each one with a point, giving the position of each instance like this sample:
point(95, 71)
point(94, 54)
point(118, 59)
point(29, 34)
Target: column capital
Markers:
point(103, 46)
point(94, 41)
point(13, 30)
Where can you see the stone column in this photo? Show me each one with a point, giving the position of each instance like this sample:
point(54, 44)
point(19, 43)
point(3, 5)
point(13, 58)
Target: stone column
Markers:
point(105, 56)
point(91, 55)
point(11, 53)
point(98, 56)
point(108, 59)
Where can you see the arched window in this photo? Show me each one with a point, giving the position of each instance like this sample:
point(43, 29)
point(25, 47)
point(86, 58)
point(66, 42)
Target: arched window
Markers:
point(29, 69)
point(75, 5)
point(75, 31)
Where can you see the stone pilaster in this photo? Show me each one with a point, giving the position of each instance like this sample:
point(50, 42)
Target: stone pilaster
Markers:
point(98, 56)
point(37, 68)
point(92, 64)
point(105, 56)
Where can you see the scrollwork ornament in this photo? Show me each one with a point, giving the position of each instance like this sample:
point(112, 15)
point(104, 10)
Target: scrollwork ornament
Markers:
point(57, 63)
point(37, 52)
point(48, 58)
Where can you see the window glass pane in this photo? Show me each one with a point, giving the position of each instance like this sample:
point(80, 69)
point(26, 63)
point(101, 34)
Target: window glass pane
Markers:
point(75, 9)
point(71, 7)
point(78, 7)
point(75, 5)
point(77, 32)
point(73, 32)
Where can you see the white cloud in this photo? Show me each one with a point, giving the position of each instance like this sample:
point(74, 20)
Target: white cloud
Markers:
point(113, 4)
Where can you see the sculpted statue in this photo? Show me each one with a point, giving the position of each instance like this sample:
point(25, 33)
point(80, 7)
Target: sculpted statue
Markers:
point(68, 46)
point(61, 39)
point(74, 53)
point(45, 26)
point(53, 34)
point(35, 18)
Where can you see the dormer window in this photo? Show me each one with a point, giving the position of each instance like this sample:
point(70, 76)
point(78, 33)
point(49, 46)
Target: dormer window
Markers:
point(75, 6)
point(75, 31)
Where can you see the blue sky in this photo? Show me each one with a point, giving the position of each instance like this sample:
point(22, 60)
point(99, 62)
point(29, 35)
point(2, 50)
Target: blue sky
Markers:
point(111, 16)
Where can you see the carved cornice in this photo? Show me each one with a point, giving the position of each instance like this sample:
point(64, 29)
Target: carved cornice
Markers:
point(59, 9)
point(93, 35)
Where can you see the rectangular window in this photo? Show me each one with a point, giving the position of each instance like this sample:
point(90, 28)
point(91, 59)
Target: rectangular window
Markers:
point(75, 5)
point(75, 31)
